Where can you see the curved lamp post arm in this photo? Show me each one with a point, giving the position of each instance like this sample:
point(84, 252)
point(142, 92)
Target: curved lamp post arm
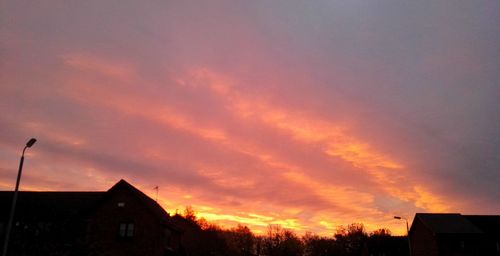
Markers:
point(14, 199)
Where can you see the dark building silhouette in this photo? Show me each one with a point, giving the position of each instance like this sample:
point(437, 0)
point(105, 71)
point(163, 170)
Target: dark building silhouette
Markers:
point(386, 246)
point(120, 221)
point(438, 234)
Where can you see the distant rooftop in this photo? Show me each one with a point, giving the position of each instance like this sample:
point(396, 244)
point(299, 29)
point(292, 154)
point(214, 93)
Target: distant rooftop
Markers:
point(70, 205)
point(50, 205)
point(455, 223)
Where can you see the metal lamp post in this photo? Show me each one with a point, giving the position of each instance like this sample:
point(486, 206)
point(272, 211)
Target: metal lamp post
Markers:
point(14, 199)
point(407, 231)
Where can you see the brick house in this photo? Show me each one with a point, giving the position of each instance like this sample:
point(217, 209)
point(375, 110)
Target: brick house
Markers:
point(443, 234)
point(120, 221)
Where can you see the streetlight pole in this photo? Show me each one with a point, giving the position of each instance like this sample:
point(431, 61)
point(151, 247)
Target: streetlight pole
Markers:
point(14, 199)
point(407, 231)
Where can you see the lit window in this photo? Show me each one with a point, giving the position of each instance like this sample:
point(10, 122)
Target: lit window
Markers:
point(126, 230)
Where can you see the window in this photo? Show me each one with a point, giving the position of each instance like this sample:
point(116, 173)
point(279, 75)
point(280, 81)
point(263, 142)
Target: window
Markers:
point(126, 230)
point(168, 236)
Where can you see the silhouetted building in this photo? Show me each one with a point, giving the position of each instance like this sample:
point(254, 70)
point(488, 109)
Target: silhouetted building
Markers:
point(440, 234)
point(120, 221)
point(386, 246)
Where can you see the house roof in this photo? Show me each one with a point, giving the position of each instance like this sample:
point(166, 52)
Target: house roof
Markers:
point(49, 205)
point(489, 224)
point(447, 223)
point(71, 205)
point(147, 201)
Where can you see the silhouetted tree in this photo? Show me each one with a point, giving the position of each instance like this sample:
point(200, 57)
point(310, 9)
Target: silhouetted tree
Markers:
point(350, 240)
point(199, 240)
point(281, 242)
point(214, 242)
point(189, 213)
point(382, 232)
point(241, 241)
point(315, 245)
point(202, 238)
point(381, 242)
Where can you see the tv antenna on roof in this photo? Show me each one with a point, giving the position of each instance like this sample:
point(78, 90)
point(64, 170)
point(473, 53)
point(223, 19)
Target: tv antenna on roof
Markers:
point(156, 188)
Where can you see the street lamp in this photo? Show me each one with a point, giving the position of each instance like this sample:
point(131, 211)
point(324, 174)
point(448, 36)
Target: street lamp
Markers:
point(407, 231)
point(14, 199)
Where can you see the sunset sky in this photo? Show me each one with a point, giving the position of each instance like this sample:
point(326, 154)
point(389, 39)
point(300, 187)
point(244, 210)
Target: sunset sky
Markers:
point(307, 114)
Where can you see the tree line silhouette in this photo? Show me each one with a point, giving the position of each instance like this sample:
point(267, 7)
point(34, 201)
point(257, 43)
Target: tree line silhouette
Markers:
point(203, 238)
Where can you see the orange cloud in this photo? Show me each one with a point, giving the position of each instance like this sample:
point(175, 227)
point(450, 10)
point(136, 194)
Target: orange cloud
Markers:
point(429, 201)
point(224, 179)
point(334, 139)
